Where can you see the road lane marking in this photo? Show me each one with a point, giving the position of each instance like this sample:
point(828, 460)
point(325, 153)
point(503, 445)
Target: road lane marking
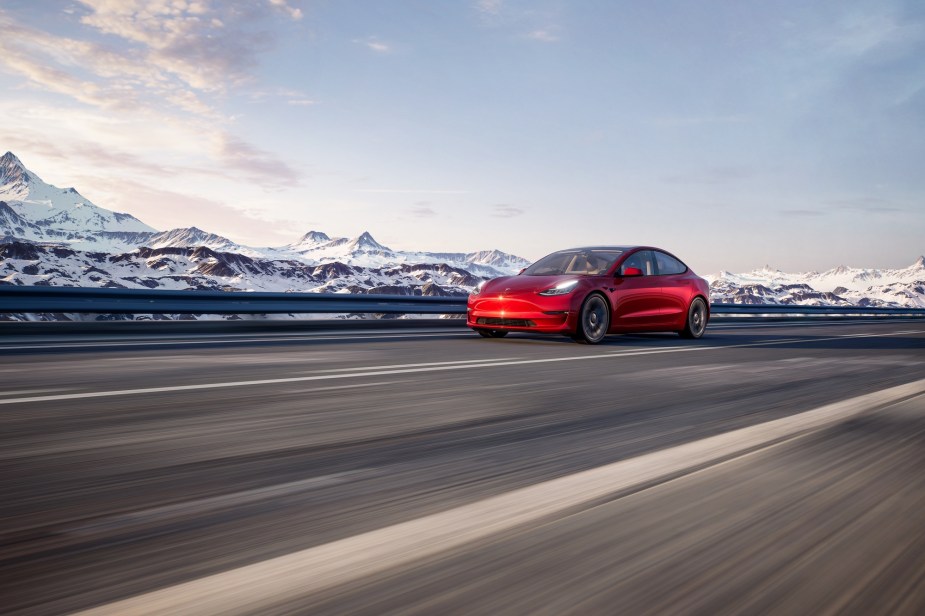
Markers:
point(433, 363)
point(487, 363)
point(257, 587)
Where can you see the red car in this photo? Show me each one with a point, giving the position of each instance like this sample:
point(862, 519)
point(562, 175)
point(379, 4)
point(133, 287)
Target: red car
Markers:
point(587, 293)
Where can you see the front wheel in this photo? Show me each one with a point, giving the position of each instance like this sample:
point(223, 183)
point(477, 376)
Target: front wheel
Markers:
point(696, 319)
point(492, 333)
point(593, 320)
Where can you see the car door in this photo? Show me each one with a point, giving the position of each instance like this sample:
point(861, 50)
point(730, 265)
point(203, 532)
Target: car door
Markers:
point(676, 287)
point(637, 300)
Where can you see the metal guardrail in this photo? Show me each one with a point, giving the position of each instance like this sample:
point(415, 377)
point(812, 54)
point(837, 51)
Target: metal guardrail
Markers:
point(811, 311)
point(138, 301)
point(22, 299)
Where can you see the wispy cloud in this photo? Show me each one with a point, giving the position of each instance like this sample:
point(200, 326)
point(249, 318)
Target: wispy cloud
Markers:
point(171, 62)
point(491, 13)
point(489, 7)
point(503, 210)
point(525, 21)
point(283, 5)
point(374, 44)
point(858, 33)
point(287, 95)
point(162, 208)
point(543, 36)
point(255, 164)
point(411, 191)
point(423, 211)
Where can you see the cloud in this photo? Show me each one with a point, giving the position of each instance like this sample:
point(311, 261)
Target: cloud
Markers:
point(172, 59)
point(288, 95)
point(543, 36)
point(293, 12)
point(374, 44)
point(489, 7)
point(411, 191)
point(503, 210)
point(858, 34)
point(162, 208)
point(423, 211)
point(526, 21)
point(256, 164)
point(167, 57)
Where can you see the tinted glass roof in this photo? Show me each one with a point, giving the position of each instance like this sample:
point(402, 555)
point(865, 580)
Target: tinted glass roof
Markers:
point(620, 248)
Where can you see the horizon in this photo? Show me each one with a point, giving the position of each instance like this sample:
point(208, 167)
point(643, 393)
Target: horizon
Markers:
point(919, 261)
point(734, 137)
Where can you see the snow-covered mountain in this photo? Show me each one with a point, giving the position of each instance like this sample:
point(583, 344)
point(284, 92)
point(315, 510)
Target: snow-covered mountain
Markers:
point(365, 251)
point(189, 237)
point(53, 236)
point(839, 286)
point(36, 211)
point(201, 268)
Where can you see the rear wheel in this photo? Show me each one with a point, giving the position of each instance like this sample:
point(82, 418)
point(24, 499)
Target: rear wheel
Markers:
point(492, 333)
point(696, 319)
point(593, 320)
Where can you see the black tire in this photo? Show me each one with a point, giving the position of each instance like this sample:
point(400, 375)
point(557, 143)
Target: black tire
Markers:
point(593, 320)
point(492, 333)
point(697, 318)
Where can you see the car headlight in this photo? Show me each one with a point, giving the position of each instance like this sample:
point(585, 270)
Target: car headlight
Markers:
point(561, 289)
point(478, 288)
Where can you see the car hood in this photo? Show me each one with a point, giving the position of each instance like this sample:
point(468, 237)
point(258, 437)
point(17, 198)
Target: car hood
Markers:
point(523, 284)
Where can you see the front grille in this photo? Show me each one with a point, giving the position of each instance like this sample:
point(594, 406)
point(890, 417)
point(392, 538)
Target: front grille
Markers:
point(505, 322)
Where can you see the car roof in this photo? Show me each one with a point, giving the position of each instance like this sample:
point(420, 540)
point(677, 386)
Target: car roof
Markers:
point(620, 248)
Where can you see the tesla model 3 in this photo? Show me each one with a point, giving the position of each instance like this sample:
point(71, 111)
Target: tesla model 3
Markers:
point(587, 293)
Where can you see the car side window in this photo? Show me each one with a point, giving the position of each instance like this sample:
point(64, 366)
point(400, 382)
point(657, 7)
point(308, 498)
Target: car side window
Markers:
point(668, 265)
point(643, 260)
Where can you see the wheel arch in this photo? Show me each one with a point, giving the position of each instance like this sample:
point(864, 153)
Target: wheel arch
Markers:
point(610, 308)
point(705, 301)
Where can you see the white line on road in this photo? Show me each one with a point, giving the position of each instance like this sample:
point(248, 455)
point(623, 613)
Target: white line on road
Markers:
point(433, 363)
point(257, 587)
point(365, 372)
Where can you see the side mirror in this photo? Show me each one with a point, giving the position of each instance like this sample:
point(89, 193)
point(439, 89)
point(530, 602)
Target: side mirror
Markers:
point(631, 271)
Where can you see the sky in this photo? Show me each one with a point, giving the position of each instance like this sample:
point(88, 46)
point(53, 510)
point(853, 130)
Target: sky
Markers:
point(735, 134)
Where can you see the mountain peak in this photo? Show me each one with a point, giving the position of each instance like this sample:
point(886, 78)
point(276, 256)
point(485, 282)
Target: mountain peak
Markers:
point(314, 237)
point(919, 263)
point(10, 158)
point(367, 242)
point(12, 170)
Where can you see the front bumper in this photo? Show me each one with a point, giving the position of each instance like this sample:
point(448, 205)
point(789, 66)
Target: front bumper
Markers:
point(546, 314)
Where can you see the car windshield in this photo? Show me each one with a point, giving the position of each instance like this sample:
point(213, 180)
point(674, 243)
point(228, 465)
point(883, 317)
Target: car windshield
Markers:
point(581, 261)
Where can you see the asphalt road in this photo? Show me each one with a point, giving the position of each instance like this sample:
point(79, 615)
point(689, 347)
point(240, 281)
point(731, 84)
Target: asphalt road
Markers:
point(763, 469)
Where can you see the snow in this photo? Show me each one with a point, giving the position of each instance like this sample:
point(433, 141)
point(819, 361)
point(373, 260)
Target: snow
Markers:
point(845, 285)
point(77, 243)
